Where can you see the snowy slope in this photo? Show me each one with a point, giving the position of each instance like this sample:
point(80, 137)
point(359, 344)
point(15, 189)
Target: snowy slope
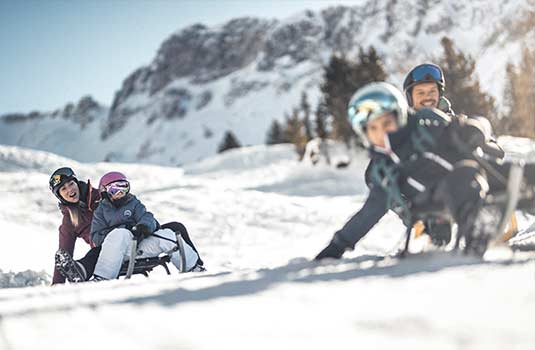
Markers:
point(246, 72)
point(257, 216)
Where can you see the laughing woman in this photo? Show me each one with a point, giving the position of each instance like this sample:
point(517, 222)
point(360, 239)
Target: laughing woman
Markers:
point(77, 200)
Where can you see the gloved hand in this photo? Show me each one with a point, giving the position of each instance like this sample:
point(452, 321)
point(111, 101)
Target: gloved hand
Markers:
point(466, 133)
point(141, 231)
point(333, 251)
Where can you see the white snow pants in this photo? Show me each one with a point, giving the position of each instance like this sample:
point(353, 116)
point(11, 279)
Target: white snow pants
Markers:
point(117, 245)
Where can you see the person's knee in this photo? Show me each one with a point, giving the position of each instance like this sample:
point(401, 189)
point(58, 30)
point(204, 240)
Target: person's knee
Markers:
point(464, 185)
point(118, 236)
point(176, 227)
point(167, 233)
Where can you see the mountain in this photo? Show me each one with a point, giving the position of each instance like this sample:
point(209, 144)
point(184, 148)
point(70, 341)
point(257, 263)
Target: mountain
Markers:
point(242, 74)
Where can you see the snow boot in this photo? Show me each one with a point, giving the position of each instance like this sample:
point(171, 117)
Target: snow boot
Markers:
point(72, 270)
point(199, 266)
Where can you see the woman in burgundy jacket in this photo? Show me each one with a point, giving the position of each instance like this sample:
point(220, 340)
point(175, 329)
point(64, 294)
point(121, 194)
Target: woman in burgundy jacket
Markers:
point(77, 200)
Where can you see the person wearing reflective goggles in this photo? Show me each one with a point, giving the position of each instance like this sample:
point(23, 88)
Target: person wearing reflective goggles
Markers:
point(119, 218)
point(424, 87)
point(418, 160)
point(77, 201)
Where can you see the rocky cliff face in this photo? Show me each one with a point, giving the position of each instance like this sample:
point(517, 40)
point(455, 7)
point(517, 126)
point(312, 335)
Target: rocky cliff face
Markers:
point(242, 74)
point(198, 54)
point(84, 112)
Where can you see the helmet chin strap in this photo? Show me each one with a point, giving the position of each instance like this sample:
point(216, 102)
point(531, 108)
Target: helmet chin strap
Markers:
point(387, 149)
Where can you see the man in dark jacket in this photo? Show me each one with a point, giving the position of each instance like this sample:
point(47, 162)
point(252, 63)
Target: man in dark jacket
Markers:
point(417, 159)
point(425, 87)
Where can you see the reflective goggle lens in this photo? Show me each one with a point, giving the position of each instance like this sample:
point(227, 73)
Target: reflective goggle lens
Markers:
point(426, 73)
point(118, 187)
point(59, 176)
point(369, 107)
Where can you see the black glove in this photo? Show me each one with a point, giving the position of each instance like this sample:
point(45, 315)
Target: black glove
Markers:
point(333, 251)
point(466, 133)
point(141, 231)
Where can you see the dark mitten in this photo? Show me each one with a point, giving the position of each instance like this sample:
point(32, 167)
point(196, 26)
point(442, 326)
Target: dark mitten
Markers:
point(333, 251)
point(141, 231)
point(467, 134)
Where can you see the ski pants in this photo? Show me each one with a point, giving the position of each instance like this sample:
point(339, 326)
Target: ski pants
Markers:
point(118, 243)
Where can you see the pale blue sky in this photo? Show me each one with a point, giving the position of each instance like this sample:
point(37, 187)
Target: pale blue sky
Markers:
point(53, 52)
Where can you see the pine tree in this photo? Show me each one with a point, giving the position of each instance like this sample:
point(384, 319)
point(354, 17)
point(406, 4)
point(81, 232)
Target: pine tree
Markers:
point(520, 97)
point(321, 120)
point(321, 130)
point(341, 79)
point(305, 109)
point(337, 88)
point(294, 131)
point(462, 84)
point(505, 125)
point(275, 134)
point(229, 142)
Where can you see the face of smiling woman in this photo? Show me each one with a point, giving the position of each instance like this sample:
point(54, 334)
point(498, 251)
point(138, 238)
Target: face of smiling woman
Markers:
point(70, 192)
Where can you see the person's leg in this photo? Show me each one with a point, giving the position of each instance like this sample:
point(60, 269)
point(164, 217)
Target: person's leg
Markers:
point(115, 249)
point(153, 246)
point(462, 189)
point(180, 228)
point(89, 261)
point(73, 271)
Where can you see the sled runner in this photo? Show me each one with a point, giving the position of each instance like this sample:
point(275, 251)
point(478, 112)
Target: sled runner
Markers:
point(145, 265)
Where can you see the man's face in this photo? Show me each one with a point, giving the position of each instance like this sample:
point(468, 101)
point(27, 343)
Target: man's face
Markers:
point(425, 95)
point(377, 129)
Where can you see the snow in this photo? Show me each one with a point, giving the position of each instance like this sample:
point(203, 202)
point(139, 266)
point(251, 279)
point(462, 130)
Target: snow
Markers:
point(23, 279)
point(257, 216)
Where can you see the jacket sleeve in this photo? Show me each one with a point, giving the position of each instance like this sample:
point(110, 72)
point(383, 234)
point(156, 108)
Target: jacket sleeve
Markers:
point(67, 240)
point(142, 216)
point(99, 227)
point(362, 222)
point(491, 147)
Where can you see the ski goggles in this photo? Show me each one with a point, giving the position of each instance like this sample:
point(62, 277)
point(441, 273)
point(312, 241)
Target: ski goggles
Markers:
point(426, 72)
point(60, 176)
point(118, 187)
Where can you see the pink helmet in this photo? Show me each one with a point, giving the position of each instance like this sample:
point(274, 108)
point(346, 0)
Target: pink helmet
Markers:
point(109, 178)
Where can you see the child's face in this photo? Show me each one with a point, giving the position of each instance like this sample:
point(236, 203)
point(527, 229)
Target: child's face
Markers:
point(425, 95)
point(377, 129)
point(117, 196)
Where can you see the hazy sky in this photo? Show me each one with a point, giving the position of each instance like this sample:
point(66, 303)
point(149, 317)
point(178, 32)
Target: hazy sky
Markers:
point(55, 51)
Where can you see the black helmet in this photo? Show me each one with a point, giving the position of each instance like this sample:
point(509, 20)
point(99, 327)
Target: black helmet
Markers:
point(58, 178)
point(424, 73)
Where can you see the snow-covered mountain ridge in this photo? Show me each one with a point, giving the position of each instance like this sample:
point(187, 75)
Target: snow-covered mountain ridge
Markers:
point(246, 72)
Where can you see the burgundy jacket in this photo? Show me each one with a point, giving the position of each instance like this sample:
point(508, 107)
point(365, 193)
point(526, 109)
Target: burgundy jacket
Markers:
point(68, 232)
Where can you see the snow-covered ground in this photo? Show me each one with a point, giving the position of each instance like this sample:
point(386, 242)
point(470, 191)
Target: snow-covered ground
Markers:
point(257, 217)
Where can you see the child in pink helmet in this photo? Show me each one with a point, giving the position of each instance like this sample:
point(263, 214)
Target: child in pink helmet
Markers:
point(119, 218)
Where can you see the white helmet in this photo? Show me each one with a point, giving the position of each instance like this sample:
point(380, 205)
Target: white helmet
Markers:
point(373, 101)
